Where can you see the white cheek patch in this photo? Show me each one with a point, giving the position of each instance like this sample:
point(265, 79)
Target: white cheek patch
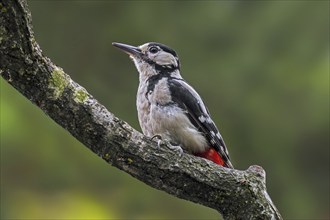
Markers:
point(165, 59)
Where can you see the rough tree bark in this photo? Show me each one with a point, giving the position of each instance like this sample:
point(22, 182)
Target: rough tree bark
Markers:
point(235, 194)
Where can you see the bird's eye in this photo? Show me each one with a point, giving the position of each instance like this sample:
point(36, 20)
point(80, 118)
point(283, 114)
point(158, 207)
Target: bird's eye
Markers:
point(153, 49)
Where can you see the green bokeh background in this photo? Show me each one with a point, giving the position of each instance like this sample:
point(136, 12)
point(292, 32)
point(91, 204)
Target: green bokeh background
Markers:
point(261, 67)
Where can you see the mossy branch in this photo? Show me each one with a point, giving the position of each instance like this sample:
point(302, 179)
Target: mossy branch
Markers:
point(235, 194)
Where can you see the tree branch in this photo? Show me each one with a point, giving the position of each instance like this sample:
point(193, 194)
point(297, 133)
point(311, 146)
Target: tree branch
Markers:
point(235, 194)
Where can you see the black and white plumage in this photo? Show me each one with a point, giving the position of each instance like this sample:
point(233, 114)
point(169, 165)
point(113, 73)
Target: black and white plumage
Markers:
point(168, 106)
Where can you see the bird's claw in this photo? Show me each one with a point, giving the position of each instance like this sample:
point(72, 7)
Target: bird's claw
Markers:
point(159, 139)
point(157, 136)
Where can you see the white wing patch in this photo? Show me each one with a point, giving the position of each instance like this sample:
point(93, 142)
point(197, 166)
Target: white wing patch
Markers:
point(202, 118)
point(188, 99)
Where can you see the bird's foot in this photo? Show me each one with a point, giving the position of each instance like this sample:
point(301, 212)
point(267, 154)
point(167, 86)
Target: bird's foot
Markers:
point(158, 139)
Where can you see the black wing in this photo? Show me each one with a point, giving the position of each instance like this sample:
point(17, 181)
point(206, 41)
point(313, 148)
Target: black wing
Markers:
point(189, 100)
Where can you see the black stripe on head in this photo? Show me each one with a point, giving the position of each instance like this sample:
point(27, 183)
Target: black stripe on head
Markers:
point(164, 48)
point(165, 69)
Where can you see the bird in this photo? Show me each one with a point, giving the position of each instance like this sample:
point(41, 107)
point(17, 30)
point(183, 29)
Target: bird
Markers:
point(169, 108)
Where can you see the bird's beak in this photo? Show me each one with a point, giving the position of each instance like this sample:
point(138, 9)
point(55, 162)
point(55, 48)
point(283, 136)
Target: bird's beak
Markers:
point(131, 50)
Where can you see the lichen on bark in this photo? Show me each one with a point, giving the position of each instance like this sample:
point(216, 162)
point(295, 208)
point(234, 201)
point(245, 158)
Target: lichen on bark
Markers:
point(58, 81)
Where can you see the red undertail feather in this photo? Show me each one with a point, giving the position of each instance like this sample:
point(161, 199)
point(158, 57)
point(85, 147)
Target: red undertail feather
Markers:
point(212, 155)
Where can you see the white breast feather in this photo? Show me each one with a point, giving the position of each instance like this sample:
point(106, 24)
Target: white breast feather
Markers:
point(171, 122)
point(156, 117)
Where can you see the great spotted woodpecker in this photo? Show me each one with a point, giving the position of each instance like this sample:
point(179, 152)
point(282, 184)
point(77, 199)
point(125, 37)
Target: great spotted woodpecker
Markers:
point(170, 108)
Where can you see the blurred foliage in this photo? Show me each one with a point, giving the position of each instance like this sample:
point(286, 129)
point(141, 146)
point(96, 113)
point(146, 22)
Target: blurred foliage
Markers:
point(262, 68)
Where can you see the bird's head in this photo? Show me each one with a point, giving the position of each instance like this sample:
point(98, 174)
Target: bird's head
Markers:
point(152, 58)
